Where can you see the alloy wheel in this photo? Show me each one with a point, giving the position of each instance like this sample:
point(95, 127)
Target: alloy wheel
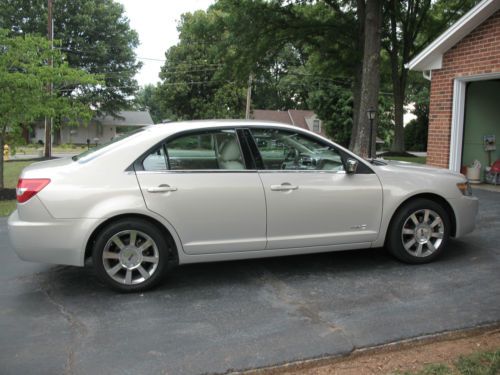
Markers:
point(130, 257)
point(422, 233)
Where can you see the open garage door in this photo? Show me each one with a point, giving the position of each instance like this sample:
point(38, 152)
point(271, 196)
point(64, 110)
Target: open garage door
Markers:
point(482, 124)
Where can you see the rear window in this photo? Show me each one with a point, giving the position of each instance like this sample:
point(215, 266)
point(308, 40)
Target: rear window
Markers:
point(118, 138)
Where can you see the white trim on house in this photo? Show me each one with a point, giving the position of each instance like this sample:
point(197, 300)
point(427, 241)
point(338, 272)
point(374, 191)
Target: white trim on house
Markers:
point(458, 116)
point(432, 56)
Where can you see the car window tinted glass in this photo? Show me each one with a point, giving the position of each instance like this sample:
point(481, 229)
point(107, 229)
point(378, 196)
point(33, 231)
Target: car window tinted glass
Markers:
point(219, 149)
point(281, 149)
point(156, 160)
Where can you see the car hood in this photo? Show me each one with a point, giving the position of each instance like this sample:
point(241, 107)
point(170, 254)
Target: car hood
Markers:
point(402, 166)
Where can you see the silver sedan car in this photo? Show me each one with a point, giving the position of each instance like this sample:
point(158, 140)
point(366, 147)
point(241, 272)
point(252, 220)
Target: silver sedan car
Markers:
point(208, 191)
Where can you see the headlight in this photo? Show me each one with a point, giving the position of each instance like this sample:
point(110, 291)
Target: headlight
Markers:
point(465, 188)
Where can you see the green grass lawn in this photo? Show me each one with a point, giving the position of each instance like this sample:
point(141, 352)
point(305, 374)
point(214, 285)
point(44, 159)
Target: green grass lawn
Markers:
point(7, 207)
point(416, 159)
point(11, 173)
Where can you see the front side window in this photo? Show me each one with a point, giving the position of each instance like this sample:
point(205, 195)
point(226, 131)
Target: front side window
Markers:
point(219, 149)
point(286, 150)
point(156, 160)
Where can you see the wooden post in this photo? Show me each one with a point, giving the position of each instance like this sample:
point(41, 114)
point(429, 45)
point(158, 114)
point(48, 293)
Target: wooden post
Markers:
point(249, 96)
point(48, 121)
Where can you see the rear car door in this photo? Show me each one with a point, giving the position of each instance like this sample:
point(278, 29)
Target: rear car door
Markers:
point(200, 183)
point(311, 200)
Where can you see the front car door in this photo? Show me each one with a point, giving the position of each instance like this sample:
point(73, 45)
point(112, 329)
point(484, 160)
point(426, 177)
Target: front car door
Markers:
point(200, 183)
point(311, 200)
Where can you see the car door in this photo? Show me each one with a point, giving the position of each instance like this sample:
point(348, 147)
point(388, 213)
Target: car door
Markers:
point(311, 200)
point(200, 184)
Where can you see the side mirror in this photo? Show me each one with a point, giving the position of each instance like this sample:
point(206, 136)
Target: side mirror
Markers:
point(351, 166)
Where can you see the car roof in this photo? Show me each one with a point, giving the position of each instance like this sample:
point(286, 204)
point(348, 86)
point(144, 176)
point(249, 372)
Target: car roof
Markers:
point(174, 127)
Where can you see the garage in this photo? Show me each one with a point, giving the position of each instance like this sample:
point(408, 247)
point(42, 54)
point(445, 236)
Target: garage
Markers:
point(481, 124)
point(463, 65)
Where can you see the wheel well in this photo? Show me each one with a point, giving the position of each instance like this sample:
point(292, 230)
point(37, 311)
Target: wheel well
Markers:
point(174, 258)
point(435, 198)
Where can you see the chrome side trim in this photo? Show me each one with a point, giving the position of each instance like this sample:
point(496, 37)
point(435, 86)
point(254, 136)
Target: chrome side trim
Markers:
point(239, 171)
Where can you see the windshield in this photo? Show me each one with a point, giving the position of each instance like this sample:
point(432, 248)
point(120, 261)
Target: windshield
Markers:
point(118, 138)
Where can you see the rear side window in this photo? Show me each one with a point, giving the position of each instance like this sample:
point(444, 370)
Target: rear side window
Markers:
point(219, 149)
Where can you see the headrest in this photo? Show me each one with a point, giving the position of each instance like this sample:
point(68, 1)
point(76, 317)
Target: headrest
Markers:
point(230, 151)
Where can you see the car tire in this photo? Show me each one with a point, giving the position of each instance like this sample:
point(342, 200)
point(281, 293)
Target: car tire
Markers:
point(131, 255)
point(419, 231)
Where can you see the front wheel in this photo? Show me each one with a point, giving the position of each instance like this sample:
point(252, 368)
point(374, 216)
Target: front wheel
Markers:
point(419, 232)
point(130, 255)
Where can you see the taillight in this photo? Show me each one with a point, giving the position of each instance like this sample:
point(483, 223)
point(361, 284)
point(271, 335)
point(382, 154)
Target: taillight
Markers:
point(29, 187)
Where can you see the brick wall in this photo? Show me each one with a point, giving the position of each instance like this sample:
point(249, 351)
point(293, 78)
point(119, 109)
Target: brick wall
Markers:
point(477, 53)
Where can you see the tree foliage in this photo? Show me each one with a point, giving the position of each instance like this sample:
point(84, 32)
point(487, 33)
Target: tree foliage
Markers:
point(409, 26)
point(96, 37)
point(147, 99)
point(25, 77)
point(194, 85)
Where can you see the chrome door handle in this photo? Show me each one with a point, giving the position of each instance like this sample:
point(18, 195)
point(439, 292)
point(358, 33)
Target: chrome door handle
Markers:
point(284, 187)
point(162, 189)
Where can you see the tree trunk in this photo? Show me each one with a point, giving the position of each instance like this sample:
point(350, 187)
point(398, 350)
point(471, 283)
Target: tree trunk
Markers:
point(399, 136)
point(398, 90)
point(358, 72)
point(370, 82)
point(356, 100)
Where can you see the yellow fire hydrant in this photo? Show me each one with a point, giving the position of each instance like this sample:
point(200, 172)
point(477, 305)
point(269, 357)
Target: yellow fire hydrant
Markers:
point(6, 150)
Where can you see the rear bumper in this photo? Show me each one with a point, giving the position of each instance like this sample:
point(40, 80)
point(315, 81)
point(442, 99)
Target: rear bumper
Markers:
point(51, 241)
point(466, 209)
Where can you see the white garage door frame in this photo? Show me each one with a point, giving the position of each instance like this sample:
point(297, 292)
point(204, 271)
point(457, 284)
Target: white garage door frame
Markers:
point(458, 116)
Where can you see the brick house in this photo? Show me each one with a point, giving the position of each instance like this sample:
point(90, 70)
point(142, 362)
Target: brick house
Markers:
point(98, 130)
point(463, 65)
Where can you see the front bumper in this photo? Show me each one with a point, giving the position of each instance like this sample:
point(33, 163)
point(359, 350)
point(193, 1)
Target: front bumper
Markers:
point(466, 209)
point(56, 241)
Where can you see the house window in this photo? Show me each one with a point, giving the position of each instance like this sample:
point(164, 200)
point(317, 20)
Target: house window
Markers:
point(316, 126)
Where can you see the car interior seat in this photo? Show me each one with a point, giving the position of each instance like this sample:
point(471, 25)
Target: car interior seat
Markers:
point(230, 156)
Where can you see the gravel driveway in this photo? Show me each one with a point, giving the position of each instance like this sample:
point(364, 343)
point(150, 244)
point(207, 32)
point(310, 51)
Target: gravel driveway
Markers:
point(238, 315)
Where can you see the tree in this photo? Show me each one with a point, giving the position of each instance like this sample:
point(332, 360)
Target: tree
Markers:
point(370, 79)
point(410, 26)
point(147, 99)
point(194, 84)
point(416, 131)
point(24, 77)
point(96, 37)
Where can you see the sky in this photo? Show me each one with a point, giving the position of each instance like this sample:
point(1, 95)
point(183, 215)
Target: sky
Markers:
point(156, 23)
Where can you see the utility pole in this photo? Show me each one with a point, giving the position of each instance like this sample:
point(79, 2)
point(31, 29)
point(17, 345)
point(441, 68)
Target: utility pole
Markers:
point(48, 121)
point(249, 96)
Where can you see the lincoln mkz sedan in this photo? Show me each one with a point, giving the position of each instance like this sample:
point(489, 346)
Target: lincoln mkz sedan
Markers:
point(205, 191)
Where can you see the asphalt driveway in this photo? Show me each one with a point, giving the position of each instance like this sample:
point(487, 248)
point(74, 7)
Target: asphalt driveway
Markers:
point(238, 315)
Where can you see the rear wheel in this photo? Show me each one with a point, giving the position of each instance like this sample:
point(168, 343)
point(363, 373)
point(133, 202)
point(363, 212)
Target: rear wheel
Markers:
point(131, 255)
point(419, 232)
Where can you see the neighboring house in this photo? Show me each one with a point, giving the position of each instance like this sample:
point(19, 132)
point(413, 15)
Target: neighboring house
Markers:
point(99, 130)
point(463, 65)
point(297, 117)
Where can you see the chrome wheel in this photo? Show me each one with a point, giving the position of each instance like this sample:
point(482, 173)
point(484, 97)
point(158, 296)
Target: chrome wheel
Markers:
point(130, 257)
point(422, 233)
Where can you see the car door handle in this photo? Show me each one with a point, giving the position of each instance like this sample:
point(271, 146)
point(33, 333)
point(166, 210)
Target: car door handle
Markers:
point(284, 187)
point(162, 189)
